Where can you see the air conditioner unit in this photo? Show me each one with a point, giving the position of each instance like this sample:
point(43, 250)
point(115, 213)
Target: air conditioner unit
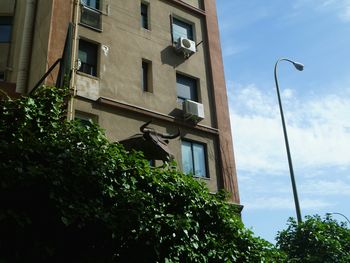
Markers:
point(186, 46)
point(193, 110)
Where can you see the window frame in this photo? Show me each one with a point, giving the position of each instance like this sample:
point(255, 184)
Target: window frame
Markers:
point(2, 76)
point(97, 54)
point(88, 4)
point(145, 19)
point(190, 25)
point(84, 118)
point(6, 21)
point(196, 88)
point(205, 158)
point(146, 76)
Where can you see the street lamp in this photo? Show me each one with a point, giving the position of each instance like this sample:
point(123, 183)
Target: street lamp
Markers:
point(299, 67)
point(336, 213)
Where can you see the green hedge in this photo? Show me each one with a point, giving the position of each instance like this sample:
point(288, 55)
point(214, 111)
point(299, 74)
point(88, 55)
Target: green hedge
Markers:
point(69, 195)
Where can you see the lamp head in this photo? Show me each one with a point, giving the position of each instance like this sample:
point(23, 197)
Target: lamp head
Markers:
point(298, 66)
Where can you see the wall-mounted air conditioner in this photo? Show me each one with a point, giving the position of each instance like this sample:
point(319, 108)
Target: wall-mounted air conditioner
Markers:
point(193, 110)
point(185, 46)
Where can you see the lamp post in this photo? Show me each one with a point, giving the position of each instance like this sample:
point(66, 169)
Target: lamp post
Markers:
point(299, 67)
point(336, 213)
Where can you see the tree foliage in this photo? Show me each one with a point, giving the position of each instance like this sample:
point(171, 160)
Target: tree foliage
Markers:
point(69, 195)
point(315, 240)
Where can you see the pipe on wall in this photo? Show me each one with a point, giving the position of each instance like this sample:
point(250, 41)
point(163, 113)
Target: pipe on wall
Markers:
point(76, 9)
point(25, 51)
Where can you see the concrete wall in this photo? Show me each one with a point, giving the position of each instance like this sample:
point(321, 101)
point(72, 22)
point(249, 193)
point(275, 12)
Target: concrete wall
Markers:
point(195, 3)
point(123, 44)
point(49, 33)
point(7, 7)
point(41, 37)
point(119, 71)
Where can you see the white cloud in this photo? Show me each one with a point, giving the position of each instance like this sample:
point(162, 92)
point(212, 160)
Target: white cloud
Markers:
point(326, 188)
point(345, 14)
point(287, 94)
point(319, 136)
point(230, 49)
point(318, 131)
point(339, 8)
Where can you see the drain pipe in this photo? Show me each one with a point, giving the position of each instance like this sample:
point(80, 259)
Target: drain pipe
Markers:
point(25, 52)
point(73, 87)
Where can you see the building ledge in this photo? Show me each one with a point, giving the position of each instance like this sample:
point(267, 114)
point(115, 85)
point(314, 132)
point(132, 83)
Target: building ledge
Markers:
point(156, 115)
point(187, 7)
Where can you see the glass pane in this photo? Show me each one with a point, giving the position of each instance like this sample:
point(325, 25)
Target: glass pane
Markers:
point(187, 162)
point(144, 76)
point(181, 29)
point(5, 33)
point(199, 160)
point(82, 56)
point(144, 16)
point(92, 3)
point(91, 18)
point(88, 57)
point(186, 88)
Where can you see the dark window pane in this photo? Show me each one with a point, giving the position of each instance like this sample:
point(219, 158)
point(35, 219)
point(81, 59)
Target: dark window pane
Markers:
point(144, 76)
point(5, 29)
point(186, 88)
point(182, 29)
point(144, 16)
point(88, 57)
point(91, 18)
point(92, 3)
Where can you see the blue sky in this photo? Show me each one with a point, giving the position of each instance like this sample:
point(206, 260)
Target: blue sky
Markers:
point(316, 101)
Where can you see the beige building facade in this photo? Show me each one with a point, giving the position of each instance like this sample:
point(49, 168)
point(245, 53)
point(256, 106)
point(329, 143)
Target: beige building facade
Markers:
point(132, 61)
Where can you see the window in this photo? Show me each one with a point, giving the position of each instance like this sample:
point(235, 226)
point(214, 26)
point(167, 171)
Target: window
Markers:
point(146, 76)
point(186, 88)
point(91, 14)
point(92, 3)
point(5, 29)
point(144, 16)
point(88, 57)
point(152, 163)
point(194, 158)
point(182, 29)
point(2, 76)
point(85, 119)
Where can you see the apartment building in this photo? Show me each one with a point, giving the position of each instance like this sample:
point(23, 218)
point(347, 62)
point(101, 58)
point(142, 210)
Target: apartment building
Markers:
point(132, 61)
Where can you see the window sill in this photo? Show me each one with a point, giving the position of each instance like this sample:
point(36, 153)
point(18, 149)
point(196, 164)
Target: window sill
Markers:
point(87, 75)
point(91, 27)
point(201, 177)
